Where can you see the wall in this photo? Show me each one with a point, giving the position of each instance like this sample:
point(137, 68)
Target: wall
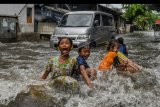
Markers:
point(10, 9)
point(46, 18)
point(14, 9)
point(24, 26)
point(128, 28)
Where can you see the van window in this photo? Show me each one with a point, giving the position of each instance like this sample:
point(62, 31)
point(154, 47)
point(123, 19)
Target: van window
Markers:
point(107, 21)
point(97, 17)
point(76, 20)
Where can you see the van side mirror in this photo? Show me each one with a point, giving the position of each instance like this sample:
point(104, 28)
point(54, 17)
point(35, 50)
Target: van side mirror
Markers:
point(96, 23)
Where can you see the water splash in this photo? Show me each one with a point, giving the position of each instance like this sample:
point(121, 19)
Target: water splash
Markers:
point(22, 62)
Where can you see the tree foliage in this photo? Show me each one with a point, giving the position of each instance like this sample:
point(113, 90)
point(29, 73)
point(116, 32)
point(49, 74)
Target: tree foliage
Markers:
point(132, 11)
point(139, 14)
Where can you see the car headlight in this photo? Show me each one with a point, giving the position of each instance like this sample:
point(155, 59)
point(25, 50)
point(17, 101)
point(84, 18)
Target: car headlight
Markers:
point(83, 37)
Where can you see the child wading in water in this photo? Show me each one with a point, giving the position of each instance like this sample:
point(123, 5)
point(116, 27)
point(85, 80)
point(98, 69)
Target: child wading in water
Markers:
point(110, 60)
point(87, 73)
point(61, 65)
point(122, 47)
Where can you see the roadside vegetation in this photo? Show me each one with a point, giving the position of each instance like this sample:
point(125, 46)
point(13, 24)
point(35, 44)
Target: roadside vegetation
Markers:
point(142, 16)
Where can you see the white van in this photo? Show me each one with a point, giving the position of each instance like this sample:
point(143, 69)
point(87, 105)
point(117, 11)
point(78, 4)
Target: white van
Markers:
point(94, 27)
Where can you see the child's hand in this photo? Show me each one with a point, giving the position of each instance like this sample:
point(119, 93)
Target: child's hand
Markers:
point(104, 76)
point(122, 67)
point(44, 74)
point(126, 62)
point(91, 85)
point(93, 77)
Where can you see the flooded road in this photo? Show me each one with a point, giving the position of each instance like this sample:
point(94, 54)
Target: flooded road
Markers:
point(21, 64)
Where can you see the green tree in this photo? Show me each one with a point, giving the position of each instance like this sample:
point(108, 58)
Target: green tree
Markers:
point(132, 11)
point(141, 22)
point(140, 15)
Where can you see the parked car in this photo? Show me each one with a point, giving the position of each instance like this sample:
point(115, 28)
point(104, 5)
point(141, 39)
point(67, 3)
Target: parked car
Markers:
point(94, 27)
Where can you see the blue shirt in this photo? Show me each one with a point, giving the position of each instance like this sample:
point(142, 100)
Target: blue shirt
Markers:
point(82, 61)
point(123, 49)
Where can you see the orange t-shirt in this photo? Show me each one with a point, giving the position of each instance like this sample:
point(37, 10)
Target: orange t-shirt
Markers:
point(107, 61)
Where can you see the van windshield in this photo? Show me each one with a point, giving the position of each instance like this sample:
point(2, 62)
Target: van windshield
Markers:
point(76, 20)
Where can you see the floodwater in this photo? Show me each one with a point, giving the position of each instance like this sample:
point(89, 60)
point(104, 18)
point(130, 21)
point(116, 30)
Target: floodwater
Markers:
point(21, 64)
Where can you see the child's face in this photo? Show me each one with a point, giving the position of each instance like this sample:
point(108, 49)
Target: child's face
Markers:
point(65, 46)
point(116, 47)
point(85, 52)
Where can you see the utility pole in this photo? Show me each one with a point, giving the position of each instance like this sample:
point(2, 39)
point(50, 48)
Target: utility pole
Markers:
point(97, 7)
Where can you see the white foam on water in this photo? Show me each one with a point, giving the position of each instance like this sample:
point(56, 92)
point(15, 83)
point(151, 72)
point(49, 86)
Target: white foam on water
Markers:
point(2, 44)
point(24, 77)
point(137, 90)
point(117, 91)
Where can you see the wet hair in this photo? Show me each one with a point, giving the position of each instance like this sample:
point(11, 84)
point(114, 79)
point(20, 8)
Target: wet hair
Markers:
point(111, 44)
point(83, 45)
point(120, 40)
point(70, 40)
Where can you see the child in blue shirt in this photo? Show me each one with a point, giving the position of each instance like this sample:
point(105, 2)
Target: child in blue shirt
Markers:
point(87, 73)
point(122, 48)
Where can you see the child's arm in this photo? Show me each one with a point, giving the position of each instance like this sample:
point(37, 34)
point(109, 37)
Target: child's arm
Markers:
point(121, 67)
point(85, 76)
point(75, 68)
point(49, 68)
point(45, 74)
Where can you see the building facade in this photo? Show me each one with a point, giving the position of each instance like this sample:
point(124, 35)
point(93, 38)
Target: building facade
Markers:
point(24, 12)
point(43, 18)
point(47, 18)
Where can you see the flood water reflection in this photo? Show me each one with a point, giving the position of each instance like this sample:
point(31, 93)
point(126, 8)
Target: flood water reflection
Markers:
point(21, 64)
